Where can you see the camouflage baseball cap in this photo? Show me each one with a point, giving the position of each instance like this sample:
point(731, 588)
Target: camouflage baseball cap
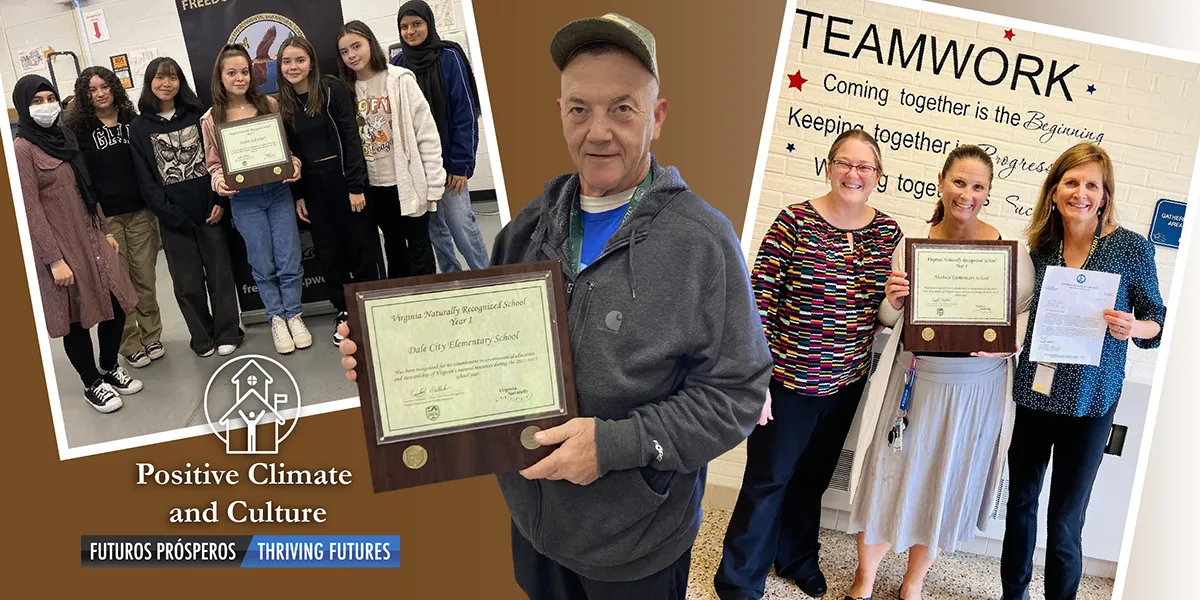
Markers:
point(612, 28)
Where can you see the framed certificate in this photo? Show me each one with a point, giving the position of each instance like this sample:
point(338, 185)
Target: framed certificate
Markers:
point(456, 372)
point(254, 151)
point(962, 296)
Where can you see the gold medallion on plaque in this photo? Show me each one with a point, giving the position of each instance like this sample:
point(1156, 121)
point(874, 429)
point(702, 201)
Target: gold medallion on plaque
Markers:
point(989, 335)
point(415, 457)
point(527, 437)
point(278, 170)
point(240, 178)
point(927, 334)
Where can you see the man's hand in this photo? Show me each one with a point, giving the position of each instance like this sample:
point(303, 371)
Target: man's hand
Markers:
point(575, 460)
point(347, 349)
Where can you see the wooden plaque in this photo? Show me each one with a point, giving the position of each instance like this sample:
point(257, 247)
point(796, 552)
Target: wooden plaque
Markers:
point(457, 371)
point(254, 151)
point(962, 296)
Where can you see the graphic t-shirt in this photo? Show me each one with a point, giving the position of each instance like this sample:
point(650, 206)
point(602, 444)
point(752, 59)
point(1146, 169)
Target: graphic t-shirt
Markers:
point(375, 128)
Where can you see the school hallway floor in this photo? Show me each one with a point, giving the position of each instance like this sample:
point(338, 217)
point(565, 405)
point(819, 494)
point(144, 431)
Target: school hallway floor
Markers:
point(173, 396)
point(958, 576)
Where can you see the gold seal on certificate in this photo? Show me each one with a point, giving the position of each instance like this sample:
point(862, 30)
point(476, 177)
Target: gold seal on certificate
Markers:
point(962, 296)
point(254, 151)
point(468, 365)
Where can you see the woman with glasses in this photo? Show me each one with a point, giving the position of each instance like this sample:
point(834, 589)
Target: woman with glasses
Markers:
point(819, 279)
point(1069, 408)
point(937, 423)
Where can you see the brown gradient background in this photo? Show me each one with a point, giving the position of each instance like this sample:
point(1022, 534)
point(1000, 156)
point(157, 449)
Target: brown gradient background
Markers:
point(454, 537)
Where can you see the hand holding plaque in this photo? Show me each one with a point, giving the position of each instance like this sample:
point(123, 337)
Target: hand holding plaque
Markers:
point(254, 151)
point(457, 372)
point(962, 296)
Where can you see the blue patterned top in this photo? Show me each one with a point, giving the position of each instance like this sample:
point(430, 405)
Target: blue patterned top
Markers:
point(1084, 390)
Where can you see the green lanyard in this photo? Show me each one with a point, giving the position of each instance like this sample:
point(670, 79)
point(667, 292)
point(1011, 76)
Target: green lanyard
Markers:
point(577, 219)
point(1062, 261)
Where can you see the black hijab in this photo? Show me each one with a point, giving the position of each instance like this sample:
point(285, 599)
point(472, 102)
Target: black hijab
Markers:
point(426, 63)
point(55, 140)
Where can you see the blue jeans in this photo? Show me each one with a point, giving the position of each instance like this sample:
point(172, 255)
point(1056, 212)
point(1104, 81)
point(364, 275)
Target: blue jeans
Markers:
point(454, 223)
point(265, 216)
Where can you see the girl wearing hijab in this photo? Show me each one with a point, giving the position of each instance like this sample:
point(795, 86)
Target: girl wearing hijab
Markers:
point(322, 126)
point(446, 80)
point(80, 278)
point(100, 119)
point(401, 144)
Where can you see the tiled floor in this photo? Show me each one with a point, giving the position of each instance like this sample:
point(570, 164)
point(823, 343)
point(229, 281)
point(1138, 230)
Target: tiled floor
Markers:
point(958, 576)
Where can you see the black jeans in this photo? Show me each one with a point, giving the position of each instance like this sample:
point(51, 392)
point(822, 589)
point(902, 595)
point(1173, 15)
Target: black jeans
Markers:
point(544, 579)
point(406, 239)
point(1078, 444)
point(347, 242)
point(198, 260)
point(79, 349)
point(789, 464)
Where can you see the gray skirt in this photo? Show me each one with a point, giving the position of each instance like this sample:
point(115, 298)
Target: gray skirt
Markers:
point(930, 492)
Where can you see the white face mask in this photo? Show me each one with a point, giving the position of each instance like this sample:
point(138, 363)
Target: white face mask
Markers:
point(45, 114)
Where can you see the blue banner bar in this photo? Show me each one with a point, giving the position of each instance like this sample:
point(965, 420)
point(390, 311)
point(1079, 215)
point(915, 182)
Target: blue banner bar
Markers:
point(322, 551)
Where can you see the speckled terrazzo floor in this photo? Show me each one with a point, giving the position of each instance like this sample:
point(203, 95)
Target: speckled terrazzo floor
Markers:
point(959, 576)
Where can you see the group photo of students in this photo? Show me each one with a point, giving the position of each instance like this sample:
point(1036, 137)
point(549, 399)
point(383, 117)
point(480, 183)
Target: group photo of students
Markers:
point(382, 155)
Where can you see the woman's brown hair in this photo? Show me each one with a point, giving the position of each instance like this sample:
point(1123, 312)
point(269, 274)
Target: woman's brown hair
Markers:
point(220, 97)
point(860, 135)
point(378, 62)
point(289, 103)
point(1046, 227)
point(957, 154)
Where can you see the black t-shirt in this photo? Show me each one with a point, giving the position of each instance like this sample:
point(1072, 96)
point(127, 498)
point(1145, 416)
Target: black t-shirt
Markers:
point(110, 163)
point(312, 133)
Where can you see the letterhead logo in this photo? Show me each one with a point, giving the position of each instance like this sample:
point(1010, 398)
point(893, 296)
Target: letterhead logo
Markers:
point(244, 403)
point(1082, 278)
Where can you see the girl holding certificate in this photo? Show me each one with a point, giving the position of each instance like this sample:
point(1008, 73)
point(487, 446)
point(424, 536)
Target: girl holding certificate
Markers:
point(1069, 408)
point(321, 120)
point(80, 278)
point(169, 161)
point(934, 422)
point(264, 214)
point(819, 280)
point(402, 147)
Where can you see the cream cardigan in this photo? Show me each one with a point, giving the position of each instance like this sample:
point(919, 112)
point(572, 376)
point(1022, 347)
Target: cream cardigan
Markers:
point(872, 408)
point(420, 176)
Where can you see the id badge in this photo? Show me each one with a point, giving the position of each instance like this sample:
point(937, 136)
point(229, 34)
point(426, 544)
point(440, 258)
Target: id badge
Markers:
point(1043, 378)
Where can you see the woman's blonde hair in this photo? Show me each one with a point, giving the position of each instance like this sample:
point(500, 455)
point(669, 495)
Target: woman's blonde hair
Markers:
point(1046, 227)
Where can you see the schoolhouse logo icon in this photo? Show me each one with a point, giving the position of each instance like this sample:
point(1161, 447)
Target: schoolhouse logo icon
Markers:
point(1082, 278)
point(245, 401)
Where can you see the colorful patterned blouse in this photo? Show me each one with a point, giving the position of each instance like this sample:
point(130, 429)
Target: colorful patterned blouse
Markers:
point(818, 295)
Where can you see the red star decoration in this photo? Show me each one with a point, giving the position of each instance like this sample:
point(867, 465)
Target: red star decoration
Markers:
point(796, 81)
point(1008, 34)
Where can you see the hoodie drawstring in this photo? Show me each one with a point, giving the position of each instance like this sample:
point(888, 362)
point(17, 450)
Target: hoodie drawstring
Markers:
point(632, 275)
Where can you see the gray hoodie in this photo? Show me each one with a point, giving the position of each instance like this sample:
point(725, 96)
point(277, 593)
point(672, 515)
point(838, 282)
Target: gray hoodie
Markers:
point(671, 361)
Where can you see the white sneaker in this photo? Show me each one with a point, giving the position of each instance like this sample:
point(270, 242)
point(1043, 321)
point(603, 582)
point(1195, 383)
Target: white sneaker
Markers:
point(226, 349)
point(300, 334)
point(283, 338)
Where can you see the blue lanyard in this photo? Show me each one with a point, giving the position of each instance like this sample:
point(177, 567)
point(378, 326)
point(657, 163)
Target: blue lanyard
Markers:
point(908, 384)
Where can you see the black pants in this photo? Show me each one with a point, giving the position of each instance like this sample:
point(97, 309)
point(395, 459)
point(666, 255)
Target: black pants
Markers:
point(78, 345)
point(543, 579)
point(346, 242)
point(789, 464)
point(198, 260)
point(1078, 444)
point(406, 239)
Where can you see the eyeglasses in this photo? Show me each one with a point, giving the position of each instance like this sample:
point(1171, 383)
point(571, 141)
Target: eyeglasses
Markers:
point(842, 167)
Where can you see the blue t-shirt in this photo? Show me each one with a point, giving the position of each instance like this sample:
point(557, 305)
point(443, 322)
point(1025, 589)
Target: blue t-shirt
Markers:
point(597, 228)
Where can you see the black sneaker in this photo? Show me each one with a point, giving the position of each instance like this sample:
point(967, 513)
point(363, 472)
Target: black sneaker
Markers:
point(102, 397)
point(121, 381)
point(156, 351)
point(342, 317)
point(138, 359)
